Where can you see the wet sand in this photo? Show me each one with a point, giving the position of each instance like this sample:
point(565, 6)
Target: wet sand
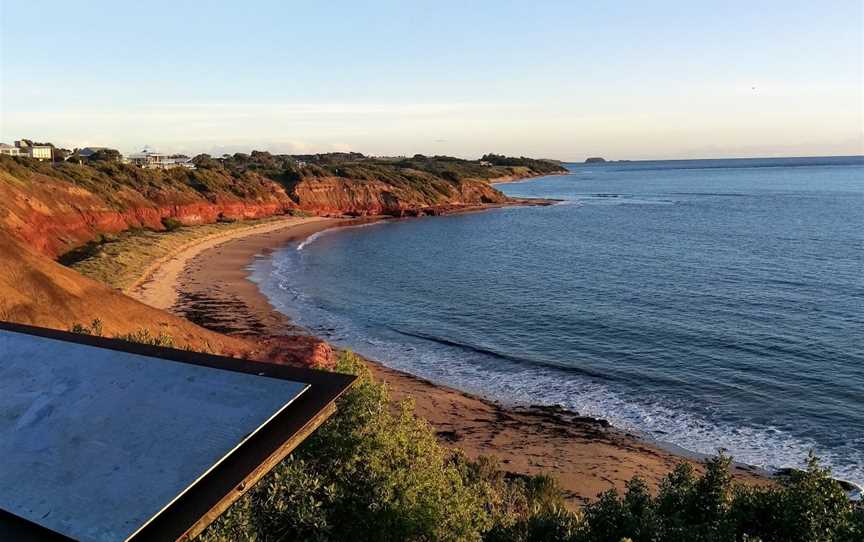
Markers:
point(208, 284)
point(157, 285)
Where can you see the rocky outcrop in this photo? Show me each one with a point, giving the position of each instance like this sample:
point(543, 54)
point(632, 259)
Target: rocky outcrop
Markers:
point(303, 350)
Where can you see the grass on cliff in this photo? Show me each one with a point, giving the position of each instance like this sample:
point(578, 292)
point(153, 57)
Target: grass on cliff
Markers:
point(375, 473)
point(432, 177)
point(122, 185)
point(445, 168)
point(141, 336)
point(119, 260)
point(261, 176)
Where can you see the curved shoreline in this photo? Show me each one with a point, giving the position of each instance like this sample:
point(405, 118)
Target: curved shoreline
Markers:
point(157, 284)
point(587, 455)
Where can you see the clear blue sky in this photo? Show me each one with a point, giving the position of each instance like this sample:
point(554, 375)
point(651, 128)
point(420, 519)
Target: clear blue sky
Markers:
point(554, 79)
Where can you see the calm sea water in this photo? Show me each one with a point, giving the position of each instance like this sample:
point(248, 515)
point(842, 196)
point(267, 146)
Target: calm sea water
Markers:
point(711, 304)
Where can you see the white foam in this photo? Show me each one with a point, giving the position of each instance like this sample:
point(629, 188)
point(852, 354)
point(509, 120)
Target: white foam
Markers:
point(318, 235)
point(663, 420)
point(310, 239)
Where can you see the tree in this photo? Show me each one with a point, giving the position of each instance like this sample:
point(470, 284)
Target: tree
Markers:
point(59, 155)
point(205, 161)
point(106, 155)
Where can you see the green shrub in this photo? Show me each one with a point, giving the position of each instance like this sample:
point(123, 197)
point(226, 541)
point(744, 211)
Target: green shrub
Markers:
point(809, 506)
point(373, 472)
point(95, 328)
point(370, 473)
point(299, 213)
point(142, 336)
point(377, 473)
point(171, 224)
point(91, 249)
point(543, 166)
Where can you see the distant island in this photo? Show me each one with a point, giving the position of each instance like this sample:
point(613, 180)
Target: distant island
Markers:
point(595, 160)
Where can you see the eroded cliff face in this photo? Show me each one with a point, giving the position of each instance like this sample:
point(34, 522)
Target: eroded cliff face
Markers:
point(55, 219)
point(361, 197)
point(52, 215)
point(35, 290)
point(53, 210)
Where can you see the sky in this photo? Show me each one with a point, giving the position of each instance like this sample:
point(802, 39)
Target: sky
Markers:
point(565, 80)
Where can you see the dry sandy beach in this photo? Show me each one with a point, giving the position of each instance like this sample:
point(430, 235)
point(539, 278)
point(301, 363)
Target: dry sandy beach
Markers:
point(207, 282)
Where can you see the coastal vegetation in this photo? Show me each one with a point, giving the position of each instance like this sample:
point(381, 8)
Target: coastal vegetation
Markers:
point(57, 207)
point(546, 166)
point(117, 260)
point(249, 175)
point(394, 169)
point(376, 472)
point(116, 182)
point(140, 336)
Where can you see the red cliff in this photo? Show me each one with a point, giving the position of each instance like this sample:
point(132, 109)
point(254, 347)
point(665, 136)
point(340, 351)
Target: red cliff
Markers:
point(54, 208)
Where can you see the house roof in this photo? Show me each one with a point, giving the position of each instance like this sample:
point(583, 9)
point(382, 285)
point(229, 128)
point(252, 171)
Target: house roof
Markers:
point(87, 151)
point(146, 153)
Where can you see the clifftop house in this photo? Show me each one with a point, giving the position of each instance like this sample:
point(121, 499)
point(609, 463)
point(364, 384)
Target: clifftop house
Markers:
point(38, 152)
point(25, 147)
point(87, 152)
point(151, 159)
point(9, 150)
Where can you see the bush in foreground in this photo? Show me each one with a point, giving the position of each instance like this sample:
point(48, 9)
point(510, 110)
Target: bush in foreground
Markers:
point(372, 474)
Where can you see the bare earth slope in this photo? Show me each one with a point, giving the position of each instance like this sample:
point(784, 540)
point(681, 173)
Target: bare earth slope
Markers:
point(35, 290)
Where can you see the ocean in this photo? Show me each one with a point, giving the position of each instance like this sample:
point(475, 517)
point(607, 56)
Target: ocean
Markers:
point(710, 304)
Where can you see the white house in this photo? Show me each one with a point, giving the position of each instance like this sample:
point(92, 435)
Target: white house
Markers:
point(150, 159)
point(87, 152)
point(38, 152)
point(9, 150)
